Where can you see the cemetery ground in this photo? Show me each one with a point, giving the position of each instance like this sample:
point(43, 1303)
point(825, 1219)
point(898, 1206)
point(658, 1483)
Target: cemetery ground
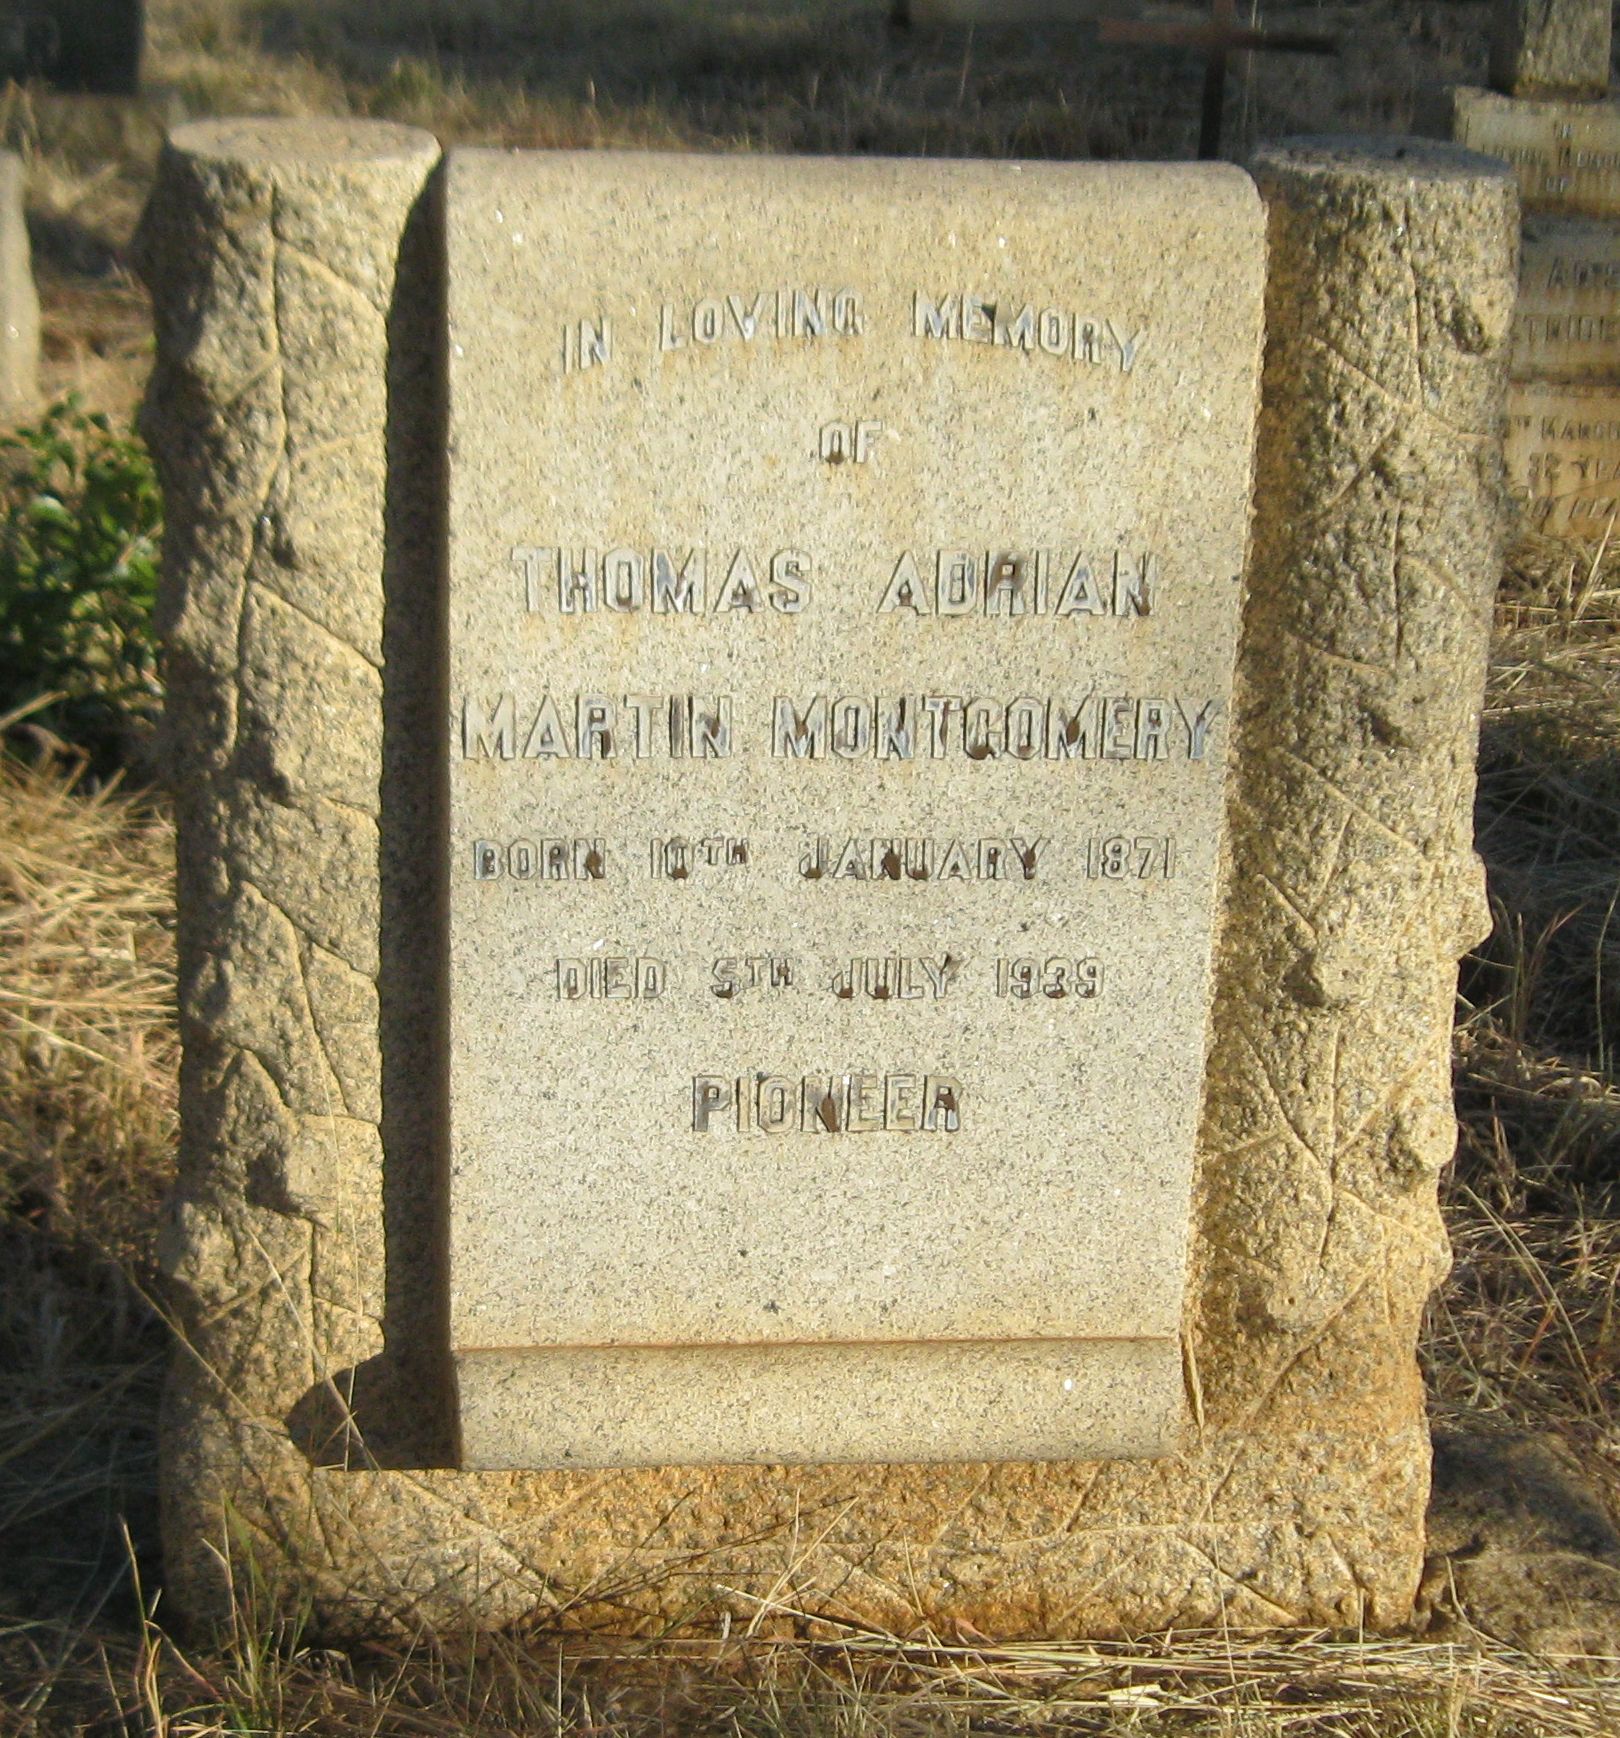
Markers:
point(1523, 1342)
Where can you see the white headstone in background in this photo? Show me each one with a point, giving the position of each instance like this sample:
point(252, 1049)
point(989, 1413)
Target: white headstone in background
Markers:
point(19, 300)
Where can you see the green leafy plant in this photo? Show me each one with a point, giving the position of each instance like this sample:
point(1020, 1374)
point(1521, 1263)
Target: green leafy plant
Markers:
point(80, 522)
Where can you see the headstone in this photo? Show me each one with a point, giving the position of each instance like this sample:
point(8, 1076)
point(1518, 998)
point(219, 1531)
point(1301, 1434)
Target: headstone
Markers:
point(91, 46)
point(857, 816)
point(1552, 47)
point(1220, 34)
point(553, 1227)
point(19, 300)
point(1566, 153)
point(1563, 455)
point(1549, 57)
point(1568, 320)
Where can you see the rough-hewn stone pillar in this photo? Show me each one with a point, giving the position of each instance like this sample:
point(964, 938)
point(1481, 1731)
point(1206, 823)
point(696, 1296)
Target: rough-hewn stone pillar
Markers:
point(1353, 884)
point(292, 363)
point(295, 410)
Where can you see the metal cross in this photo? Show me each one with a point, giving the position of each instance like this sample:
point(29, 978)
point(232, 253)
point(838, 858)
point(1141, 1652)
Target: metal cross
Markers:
point(1218, 38)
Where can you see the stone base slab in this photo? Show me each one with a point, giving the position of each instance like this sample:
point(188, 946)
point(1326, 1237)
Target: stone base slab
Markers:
point(667, 1406)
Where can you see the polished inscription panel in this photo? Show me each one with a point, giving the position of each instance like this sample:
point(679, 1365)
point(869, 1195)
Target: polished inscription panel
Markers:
point(844, 575)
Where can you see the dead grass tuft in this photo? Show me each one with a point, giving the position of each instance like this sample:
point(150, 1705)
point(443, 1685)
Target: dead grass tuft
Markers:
point(88, 1060)
point(1527, 1334)
point(1541, 998)
point(88, 1051)
point(857, 1686)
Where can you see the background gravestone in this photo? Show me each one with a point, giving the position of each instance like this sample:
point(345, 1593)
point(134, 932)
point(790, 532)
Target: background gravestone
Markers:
point(91, 46)
point(998, 12)
point(297, 283)
point(1217, 36)
point(19, 299)
point(1550, 67)
point(1551, 48)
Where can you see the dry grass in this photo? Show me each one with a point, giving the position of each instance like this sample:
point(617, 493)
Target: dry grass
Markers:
point(87, 1043)
point(1527, 1333)
point(862, 1687)
point(88, 1060)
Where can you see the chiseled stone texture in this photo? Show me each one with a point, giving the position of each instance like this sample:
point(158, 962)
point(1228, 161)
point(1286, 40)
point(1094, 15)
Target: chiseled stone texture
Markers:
point(294, 412)
point(1552, 48)
point(19, 300)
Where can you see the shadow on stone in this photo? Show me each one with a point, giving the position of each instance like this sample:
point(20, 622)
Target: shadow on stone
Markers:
point(414, 1413)
point(327, 1425)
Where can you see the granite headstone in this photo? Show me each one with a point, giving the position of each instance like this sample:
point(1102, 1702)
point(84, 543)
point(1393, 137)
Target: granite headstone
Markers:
point(836, 797)
point(620, 1031)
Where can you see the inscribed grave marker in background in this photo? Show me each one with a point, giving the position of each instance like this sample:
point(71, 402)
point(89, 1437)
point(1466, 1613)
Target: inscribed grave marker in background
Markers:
point(1562, 434)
